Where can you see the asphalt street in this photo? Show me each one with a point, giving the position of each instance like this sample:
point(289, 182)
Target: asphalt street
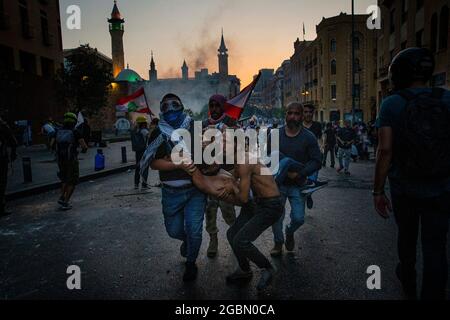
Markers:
point(118, 240)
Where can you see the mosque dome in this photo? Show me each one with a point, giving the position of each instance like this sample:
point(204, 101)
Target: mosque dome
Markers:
point(128, 75)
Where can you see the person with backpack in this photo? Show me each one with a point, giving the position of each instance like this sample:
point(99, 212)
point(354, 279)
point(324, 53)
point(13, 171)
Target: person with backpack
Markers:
point(139, 143)
point(8, 145)
point(68, 139)
point(414, 153)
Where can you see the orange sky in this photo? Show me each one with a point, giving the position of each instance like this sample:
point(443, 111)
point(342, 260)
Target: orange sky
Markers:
point(258, 33)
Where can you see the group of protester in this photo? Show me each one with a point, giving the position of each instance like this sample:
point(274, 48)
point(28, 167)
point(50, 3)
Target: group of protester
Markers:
point(413, 152)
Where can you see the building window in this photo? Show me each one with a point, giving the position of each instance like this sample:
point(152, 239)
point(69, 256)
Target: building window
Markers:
point(443, 29)
point(357, 66)
point(392, 22)
point(419, 38)
point(44, 28)
point(356, 42)
point(333, 92)
point(434, 32)
point(404, 11)
point(28, 62)
point(419, 4)
point(333, 67)
point(333, 45)
point(24, 19)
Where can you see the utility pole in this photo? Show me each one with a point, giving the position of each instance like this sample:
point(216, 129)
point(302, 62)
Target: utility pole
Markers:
point(353, 63)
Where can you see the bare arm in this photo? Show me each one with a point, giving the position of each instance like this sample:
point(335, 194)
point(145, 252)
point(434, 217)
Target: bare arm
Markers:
point(163, 165)
point(83, 144)
point(244, 173)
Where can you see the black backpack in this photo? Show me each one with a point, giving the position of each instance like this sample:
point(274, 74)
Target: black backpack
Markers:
point(138, 142)
point(423, 144)
point(65, 145)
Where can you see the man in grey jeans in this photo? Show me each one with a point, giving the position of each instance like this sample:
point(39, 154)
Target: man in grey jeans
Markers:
point(345, 138)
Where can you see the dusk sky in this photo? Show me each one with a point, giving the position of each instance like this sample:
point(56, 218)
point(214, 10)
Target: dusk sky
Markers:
point(258, 33)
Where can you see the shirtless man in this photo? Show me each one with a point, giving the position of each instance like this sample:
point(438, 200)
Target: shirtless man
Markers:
point(258, 213)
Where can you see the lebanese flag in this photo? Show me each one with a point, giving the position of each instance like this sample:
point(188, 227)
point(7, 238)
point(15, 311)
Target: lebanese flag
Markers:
point(236, 105)
point(137, 102)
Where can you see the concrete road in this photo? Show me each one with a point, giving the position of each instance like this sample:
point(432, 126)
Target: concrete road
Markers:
point(119, 242)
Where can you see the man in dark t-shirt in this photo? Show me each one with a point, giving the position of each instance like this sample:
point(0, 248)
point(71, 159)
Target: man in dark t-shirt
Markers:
point(329, 145)
point(345, 138)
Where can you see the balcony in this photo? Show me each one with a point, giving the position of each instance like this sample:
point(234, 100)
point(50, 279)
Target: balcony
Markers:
point(5, 21)
point(27, 31)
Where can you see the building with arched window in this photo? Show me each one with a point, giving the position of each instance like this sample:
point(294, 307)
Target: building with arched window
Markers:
point(415, 24)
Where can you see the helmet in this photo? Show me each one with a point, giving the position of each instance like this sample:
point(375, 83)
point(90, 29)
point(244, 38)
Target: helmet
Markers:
point(70, 117)
point(141, 119)
point(412, 64)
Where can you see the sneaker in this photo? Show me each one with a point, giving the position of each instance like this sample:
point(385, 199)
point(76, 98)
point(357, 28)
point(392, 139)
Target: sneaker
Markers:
point(339, 169)
point(66, 206)
point(183, 249)
point(347, 173)
point(277, 250)
point(266, 279)
point(190, 274)
point(239, 275)
point(320, 183)
point(308, 185)
point(290, 242)
point(61, 201)
point(309, 202)
point(145, 187)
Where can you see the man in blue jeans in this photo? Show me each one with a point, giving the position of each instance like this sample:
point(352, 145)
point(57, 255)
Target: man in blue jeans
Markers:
point(183, 204)
point(301, 154)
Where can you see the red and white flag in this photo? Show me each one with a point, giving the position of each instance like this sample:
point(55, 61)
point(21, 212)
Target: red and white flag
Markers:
point(236, 105)
point(137, 102)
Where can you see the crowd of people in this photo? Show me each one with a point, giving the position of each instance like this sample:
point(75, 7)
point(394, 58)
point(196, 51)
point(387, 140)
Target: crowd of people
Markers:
point(412, 136)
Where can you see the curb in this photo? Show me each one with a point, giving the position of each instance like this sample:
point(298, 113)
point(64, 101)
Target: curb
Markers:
point(39, 189)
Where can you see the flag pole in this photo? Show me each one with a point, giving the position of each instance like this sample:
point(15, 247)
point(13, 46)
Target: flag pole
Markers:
point(148, 106)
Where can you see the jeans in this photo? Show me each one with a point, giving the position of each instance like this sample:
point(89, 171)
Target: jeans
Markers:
point(253, 220)
point(228, 214)
point(433, 215)
point(287, 165)
point(137, 176)
point(344, 156)
point(297, 202)
point(329, 149)
point(183, 210)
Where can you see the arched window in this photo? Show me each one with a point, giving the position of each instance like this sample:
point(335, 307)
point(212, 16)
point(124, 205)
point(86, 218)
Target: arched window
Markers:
point(434, 32)
point(357, 66)
point(333, 45)
point(443, 29)
point(333, 67)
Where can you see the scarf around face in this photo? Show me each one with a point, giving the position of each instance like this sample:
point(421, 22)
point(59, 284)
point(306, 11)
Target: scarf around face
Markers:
point(168, 134)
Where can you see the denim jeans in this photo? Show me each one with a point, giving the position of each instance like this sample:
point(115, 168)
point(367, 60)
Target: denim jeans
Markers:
point(253, 220)
point(184, 210)
point(433, 216)
point(297, 202)
point(344, 156)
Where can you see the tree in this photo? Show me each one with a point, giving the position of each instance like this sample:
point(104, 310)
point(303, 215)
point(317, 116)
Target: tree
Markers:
point(85, 83)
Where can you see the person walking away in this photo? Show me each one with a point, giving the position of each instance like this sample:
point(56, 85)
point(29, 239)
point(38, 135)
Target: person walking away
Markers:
point(8, 145)
point(345, 138)
point(329, 145)
point(414, 153)
point(68, 139)
point(139, 143)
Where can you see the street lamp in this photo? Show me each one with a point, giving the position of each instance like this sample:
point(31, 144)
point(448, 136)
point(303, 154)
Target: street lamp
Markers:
point(353, 63)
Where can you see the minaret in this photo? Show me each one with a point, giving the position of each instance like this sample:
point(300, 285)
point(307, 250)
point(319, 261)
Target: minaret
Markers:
point(223, 59)
point(185, 71)
point(116, 29)
point(153, 74)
